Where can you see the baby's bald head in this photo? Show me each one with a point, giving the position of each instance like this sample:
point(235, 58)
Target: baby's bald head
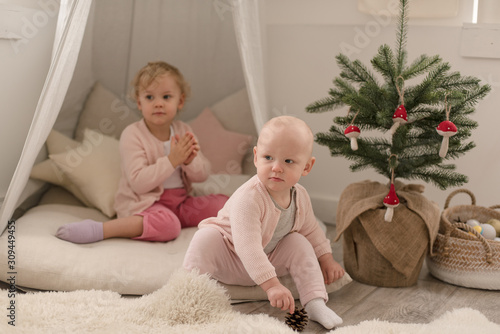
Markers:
point(291, 128)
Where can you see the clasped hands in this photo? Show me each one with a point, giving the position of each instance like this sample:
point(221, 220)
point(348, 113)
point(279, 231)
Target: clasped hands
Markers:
point(183, 149)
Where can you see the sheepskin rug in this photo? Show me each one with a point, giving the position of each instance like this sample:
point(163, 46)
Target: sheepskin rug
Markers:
point(188, 303)
point(458, 321)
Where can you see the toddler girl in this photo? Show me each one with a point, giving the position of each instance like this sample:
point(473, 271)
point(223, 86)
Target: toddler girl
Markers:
point(160, 157)
point(268, 229)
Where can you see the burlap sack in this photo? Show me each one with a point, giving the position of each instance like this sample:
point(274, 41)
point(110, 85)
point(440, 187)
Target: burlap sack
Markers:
point(380, 253)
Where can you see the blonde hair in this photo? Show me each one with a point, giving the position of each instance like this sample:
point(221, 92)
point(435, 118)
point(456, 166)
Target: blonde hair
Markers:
point(149, 73)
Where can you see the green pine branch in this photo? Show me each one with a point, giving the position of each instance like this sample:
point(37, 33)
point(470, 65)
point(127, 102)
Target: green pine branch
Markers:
point(472, 97)
point(385, 63)
point(440, 177)
point(325, 104)
point(354, 71)
point(427, 89)
point(419, 66)
point(401, 36)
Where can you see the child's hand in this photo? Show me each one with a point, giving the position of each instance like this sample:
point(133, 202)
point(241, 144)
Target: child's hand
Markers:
point(279, 295)
point(194, 153)
point(330, 268)
point(181, 149)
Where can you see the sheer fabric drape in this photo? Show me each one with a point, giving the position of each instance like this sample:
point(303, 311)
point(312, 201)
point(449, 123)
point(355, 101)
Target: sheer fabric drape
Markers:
point(250, 37)
point(69, 33)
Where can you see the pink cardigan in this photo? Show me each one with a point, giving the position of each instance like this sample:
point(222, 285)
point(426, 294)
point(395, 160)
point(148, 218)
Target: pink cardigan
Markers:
point(144, 167)
point(248, 220)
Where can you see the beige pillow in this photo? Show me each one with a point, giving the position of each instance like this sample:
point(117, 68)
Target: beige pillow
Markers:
point(93, 167)
point(106, 113)
point(48, 171)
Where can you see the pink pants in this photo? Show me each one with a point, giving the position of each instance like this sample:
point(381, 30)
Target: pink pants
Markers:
point(209, 253)
point(176, 209)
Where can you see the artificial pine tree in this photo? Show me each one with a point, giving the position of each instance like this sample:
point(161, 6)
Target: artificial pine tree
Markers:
point(411, 152)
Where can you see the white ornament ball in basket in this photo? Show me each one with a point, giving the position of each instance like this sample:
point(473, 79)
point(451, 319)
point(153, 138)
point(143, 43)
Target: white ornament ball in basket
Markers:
point(461, 255)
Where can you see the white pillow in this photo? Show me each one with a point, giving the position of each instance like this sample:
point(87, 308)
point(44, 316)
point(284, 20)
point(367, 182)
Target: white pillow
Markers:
point(48, 171)
point(94, 168)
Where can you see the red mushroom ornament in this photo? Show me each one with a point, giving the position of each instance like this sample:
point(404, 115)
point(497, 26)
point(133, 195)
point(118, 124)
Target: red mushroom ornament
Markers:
point(400, 117)
point(390, 201)
point(352, 132)
point(445, 129)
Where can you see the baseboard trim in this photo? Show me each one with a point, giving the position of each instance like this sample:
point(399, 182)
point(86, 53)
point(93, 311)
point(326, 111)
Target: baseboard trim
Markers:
point(325, 207)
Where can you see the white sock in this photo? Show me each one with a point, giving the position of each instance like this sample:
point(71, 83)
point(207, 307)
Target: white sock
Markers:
point(318, 311)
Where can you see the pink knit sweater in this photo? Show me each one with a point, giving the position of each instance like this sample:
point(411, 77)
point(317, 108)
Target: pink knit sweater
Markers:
point(248, 221)
point(144, 167)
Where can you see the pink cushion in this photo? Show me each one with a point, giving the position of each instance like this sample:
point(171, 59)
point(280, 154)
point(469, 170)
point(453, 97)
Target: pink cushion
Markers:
point(224, 149)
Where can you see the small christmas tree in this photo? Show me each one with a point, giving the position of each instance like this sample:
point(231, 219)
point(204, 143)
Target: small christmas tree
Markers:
point(418, 116)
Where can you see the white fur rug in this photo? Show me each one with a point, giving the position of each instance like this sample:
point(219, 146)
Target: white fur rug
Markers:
point(458, 321)
point(189, 303)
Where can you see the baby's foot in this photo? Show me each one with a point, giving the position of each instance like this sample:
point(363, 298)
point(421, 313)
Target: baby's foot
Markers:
point(318, 311)
point(83, 232)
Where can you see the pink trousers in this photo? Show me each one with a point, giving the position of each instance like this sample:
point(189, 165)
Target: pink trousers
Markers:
point(176, 209)
point(209, 253)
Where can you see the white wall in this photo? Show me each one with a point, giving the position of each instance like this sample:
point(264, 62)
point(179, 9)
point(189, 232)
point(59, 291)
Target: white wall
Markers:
point(303, 40)
point(27, 30)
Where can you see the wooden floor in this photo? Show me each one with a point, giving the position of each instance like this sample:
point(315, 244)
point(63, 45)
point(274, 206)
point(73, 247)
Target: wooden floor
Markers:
point(422, 303)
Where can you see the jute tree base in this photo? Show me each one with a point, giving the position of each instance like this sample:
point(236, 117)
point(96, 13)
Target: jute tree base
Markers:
point(381, 253)
point(365, 264)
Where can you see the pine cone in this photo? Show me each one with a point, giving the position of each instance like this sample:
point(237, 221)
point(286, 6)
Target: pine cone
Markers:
point(298, 320)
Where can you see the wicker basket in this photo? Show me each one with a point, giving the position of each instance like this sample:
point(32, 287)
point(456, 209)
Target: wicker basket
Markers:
point(461, 258)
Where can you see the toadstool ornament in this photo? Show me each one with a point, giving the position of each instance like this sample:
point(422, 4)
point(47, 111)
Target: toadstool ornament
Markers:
point(390, 201)
point(400, 117)
point(445, 129)
point(352, 132)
